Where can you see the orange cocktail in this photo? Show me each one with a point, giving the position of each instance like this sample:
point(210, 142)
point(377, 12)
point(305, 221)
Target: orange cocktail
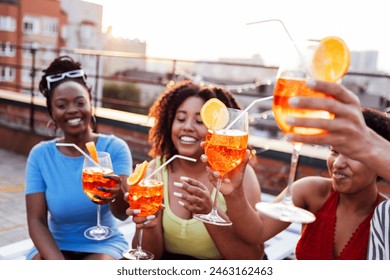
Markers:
point(286, 88)
point(146, 196)
point(92, 178)
point(225, 149)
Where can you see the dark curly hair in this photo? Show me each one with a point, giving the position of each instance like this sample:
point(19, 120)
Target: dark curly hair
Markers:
point(60, 65)
point(378, 121)
point(164, 111)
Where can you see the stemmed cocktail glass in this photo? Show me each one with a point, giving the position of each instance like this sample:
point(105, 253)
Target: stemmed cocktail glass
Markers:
point(92, 178)
point(291, 81)
point(225, 149)
point(146, 196)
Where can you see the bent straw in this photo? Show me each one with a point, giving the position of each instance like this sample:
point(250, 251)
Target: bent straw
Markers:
point(167, 162)
point(247, 109)
point(285, 29)
point(79, 149)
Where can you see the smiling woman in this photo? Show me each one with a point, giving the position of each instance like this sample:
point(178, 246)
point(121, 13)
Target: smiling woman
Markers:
point(53, 174)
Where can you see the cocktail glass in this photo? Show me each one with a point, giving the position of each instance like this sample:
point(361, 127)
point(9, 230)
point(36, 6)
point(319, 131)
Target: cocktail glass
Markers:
point(225, 149)
point(146, 196)
point(291, 81)
point(92, 178)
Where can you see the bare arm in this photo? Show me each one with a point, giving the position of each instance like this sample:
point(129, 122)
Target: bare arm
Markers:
point(241, 207)
point(228, 239)
point(38, 227)
point(197, 199)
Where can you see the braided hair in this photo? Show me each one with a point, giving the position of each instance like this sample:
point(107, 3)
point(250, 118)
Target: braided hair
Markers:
point(60, 65)
point(164, 111)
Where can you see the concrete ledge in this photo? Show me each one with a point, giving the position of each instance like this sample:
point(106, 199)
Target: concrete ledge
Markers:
point(18, 250)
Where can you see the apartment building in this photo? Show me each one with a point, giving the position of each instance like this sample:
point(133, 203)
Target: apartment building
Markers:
point(33, 33)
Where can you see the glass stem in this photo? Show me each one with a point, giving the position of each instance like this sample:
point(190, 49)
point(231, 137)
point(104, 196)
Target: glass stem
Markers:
point(139, 245)
point(293, 169)
point(215, 202)
point(98, 215)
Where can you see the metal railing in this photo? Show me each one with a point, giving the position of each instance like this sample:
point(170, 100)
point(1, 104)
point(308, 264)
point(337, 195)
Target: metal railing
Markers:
point(245, 80)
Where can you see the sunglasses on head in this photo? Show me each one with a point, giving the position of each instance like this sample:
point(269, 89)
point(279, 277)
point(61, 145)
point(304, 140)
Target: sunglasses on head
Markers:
point(79, 73)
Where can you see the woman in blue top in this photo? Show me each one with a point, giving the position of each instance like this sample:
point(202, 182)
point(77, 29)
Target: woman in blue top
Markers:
point(58, 211)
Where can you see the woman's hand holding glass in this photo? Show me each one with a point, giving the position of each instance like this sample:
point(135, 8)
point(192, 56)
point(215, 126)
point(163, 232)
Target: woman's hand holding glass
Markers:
point(193, 195)
point(110, 194)
point(232, 180)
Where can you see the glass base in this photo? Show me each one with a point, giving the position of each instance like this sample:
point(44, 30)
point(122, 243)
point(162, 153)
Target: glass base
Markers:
point(135, 254)
point(98, 233)
point(285, 212)
point(212, 219)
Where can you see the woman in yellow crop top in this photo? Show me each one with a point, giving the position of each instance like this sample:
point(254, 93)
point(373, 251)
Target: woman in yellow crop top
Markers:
point(173, 233)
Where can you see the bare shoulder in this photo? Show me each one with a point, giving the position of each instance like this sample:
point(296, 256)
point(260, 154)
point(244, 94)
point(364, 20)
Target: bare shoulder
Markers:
point(312, 191)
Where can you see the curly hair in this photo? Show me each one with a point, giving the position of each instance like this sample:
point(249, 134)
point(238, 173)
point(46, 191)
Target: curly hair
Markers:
point(165, 107)
point(378, 121)
point(60, 65)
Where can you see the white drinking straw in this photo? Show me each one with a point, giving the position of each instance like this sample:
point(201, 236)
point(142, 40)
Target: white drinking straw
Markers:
point(79, 149)
point(289, 36)
point(247, 109)
point(168, 161)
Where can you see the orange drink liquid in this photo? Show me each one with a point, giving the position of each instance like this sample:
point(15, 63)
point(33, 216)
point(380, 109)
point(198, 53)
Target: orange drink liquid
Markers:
point(225, 149)
point(146, 196)
point(92, 178)
point(286, 88)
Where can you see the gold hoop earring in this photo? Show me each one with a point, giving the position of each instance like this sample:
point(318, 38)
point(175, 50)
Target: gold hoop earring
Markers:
point(52, 128)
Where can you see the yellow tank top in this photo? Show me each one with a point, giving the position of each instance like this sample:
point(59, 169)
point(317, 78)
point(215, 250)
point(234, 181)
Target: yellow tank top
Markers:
point(188, 237)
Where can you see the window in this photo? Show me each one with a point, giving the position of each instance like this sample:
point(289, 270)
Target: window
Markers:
point(86, 32)
point(7, 49)
point(7, 74)
point(7, 24)
point(31, 25)
point(65, 32)
point(50, 26)
point(26, 76)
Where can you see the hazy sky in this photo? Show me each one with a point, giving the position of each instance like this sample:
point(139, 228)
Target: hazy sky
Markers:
point(208, 29)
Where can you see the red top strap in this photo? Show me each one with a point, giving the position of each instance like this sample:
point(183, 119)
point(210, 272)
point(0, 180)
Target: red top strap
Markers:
point(316, 242)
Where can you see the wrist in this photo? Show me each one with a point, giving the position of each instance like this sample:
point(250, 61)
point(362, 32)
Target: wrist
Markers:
point(236, 192)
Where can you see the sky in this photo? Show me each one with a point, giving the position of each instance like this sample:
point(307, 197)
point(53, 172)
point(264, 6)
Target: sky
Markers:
point(209, 29)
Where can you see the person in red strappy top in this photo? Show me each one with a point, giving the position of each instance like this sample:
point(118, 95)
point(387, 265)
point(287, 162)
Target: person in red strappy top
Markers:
point(343, 203)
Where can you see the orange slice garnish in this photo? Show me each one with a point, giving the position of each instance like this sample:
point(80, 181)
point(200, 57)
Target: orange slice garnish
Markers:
point(331, 59)
point(214, 114)
point(92, 151)
point(138, 174)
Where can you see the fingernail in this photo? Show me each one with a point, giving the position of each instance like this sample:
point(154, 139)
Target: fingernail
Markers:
point(290, 120)
point(185, 179)
point(293, 101)
point(113, 200)
point(181, 203)
point(136, 211)
point(147, 222)
point(151, 217)
point(107, 176)
point(177, 184)
point(311, 83)
point(177, 194)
